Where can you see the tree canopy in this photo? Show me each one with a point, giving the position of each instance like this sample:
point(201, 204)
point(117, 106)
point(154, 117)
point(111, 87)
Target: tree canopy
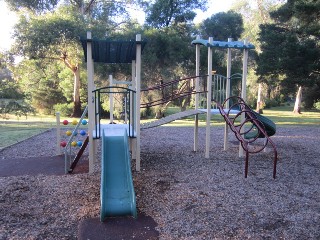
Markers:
point(222, 26)
point(290, 48)
point(47, 37)
point(163, 13)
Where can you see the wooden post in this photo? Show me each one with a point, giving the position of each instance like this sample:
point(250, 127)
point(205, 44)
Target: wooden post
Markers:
point(91, 104)
point(58, 148)
point(209, 95)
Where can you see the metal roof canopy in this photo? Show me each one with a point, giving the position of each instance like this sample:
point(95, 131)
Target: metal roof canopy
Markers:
point(222, 44)
point(109, 51)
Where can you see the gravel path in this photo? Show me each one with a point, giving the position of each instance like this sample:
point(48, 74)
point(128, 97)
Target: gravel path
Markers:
point(189, 197)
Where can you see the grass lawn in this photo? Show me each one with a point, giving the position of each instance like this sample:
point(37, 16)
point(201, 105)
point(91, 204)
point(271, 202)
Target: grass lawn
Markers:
point(16, 133)
point(285, 116)
point(14, 130)
point(280, 115)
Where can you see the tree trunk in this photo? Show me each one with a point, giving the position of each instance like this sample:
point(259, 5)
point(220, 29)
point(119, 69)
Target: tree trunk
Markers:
point(76, 85)
point(297, 104)
point(76, 93)
point(159, 113)
point(184, 103)
point(259, 101)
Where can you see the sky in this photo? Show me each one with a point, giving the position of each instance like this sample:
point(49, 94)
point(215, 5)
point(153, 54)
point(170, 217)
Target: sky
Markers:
point(8, 19)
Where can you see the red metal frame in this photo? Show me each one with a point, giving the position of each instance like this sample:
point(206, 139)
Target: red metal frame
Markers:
point(240, 133)
point(168, 89)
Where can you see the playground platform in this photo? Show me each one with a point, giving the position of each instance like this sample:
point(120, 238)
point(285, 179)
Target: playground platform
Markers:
point(113, 129)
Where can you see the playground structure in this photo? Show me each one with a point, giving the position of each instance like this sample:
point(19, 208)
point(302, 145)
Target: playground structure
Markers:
point(259, 126)
point(117, 193)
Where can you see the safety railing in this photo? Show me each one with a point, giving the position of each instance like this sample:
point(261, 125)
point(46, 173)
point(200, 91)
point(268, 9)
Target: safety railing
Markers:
point(128, 96)
point(175, 89)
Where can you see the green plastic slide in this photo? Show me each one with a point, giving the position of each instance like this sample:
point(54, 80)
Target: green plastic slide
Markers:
point(269, 125)
point(117, 191)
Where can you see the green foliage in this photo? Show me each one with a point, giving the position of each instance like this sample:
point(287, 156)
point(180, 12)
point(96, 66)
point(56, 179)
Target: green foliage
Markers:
point(254, 15)
point(317, 105)
point(65, 109)
point(311, 96)
point(163, 13)
point(222, 26)
point(40, 83)
point(10, 90)
point(8, 87)
point(269, 103)
point(290, 48)
point(16, 107)
point(48, 35)
point(46, 97)
point(34, 5)
point(166, 56)
point(46, 38)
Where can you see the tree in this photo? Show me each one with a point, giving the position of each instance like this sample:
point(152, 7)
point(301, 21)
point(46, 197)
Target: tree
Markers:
point(166, 58)
point(255, 13)
point(290, 47)
point(37, 6)
point(222, 26)
point(51, 31)
point(8, 87)
point(34, 41)
point(40, 82)
point(163, 13)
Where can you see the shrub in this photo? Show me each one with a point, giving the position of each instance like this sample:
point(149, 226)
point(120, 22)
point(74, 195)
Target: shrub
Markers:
point(271, 103)
point(65, 109)
point(17, 107)
point(316, 105)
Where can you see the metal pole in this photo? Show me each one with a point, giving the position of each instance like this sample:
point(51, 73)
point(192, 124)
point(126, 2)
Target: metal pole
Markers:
point(228, 88)
point(138, 94)
point(244, 87)
point(196, 120)
point(209, 94)
point(111, 99)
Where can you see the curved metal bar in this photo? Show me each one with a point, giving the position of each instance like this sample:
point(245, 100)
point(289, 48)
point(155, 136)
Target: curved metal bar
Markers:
point(125, 90)
point(241, 133)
